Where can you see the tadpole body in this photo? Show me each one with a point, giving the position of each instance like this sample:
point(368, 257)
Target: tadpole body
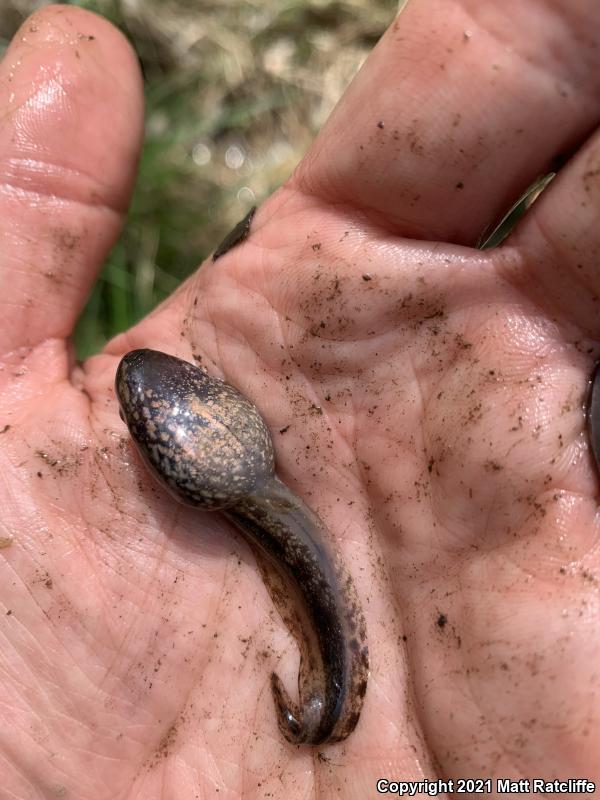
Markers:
point(210, 447)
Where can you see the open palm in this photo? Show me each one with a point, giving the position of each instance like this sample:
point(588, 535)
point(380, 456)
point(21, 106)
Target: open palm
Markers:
point(425, 398)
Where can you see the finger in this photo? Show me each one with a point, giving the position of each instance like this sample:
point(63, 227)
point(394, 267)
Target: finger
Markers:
point(554, 253)
point(458, 109)
point(70, 131)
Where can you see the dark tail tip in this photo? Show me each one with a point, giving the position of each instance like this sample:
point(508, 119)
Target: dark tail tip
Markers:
point(304, 723)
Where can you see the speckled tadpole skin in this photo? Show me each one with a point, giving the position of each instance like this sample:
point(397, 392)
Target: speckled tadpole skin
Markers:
point(211, 448)
point(593, 415)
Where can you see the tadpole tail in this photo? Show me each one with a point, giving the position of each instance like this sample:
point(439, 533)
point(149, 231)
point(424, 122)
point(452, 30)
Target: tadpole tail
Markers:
point(593, 415)
point(316, 598)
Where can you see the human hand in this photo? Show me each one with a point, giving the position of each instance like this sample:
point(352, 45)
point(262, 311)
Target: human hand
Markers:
point(431, 397)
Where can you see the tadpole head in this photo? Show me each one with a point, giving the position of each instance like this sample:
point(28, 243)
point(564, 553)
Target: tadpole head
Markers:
point(200, 437)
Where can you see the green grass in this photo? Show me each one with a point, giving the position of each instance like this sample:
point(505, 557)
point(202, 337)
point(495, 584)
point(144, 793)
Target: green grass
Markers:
point(234, 96)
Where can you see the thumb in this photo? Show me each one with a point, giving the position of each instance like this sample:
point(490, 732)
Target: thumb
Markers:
point(70, 133)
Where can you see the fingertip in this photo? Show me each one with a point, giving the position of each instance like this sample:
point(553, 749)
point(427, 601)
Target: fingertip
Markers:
point(66, 74)
point(71, 124)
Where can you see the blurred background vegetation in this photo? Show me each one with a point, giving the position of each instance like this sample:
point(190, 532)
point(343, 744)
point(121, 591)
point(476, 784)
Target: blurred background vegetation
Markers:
point(235, 92)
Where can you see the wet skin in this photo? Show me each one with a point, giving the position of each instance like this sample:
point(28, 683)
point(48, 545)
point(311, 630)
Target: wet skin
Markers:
point(209, 446)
